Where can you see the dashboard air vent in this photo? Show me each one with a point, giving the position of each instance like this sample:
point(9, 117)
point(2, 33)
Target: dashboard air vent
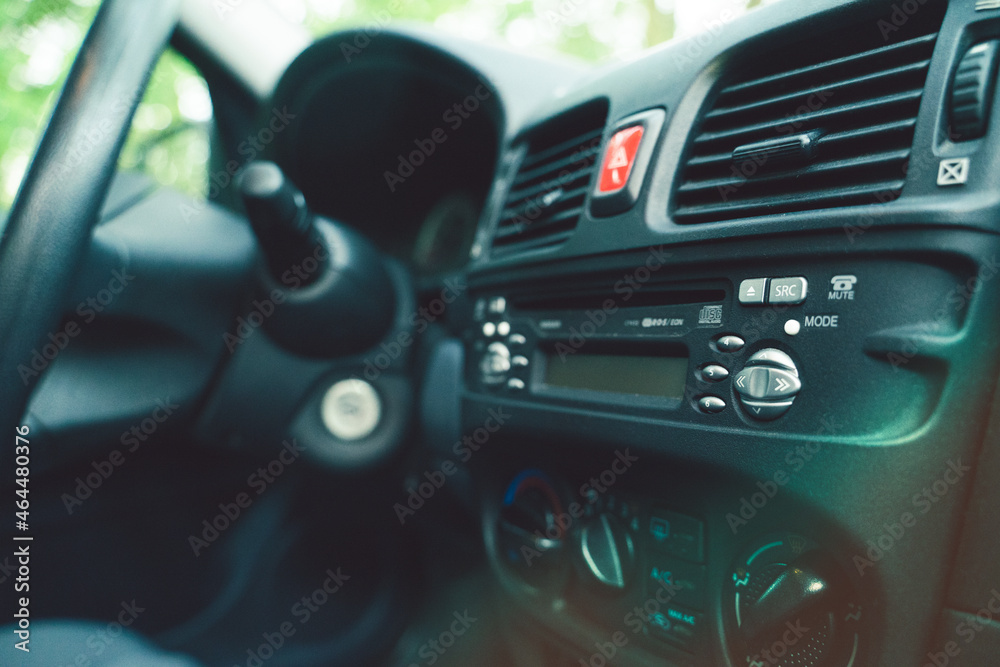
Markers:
point(818, 125)
point(547, 195)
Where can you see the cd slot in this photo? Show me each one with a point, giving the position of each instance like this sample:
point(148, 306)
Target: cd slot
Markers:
point(597, 299)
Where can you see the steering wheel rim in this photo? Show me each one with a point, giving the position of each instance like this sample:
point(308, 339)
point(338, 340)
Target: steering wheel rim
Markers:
point(47, 232)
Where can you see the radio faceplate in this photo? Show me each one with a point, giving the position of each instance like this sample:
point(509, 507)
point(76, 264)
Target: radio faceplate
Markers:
point(776, 348)
point(605, 352)
point(667, 351)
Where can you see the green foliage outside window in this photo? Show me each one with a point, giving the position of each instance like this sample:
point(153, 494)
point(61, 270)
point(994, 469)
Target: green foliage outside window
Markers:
point(170, 134)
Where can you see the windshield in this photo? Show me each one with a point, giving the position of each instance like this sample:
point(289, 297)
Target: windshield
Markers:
point(582, 29)
point(170, 135)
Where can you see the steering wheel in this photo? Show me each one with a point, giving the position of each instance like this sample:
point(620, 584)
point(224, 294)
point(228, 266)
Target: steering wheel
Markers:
point(48, 231)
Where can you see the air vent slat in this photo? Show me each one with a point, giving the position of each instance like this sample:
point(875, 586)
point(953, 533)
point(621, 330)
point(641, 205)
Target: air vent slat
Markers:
point(549, 190)
point(535, 159)
point(570, 180)
point(871, 193)
point(922, 45)
point(812, 125)
point(577, 161)
point(819, 168)
point(824, 92)
point(557, 176)
point(905, 125)
point(525, 211)
point(883, 130)
point(885, 104)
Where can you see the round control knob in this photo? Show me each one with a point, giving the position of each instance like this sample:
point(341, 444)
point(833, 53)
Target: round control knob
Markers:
point(768, 385)
point(530, 536)
point(802, 588)
point(608, 551)
point(793, 606)
point(495, 364)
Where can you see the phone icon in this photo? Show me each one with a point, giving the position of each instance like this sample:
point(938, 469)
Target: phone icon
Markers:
point(843, 283)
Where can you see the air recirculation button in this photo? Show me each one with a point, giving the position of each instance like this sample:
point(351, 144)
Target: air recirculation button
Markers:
point(768, 385)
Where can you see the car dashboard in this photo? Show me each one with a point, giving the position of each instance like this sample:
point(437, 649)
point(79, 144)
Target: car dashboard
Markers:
point(719, 378)
point(735, 303)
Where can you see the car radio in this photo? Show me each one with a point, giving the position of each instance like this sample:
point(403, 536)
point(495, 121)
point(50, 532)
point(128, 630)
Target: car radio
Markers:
point(761, 346)
point(659, 348)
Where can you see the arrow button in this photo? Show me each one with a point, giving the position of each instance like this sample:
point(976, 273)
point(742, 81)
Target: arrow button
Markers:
point(766, 411)
point(772, 357)
point(753, 382)
point(782, 384)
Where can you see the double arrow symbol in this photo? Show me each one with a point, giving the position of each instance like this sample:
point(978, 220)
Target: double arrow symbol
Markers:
point(741, 381)
point(782, 384)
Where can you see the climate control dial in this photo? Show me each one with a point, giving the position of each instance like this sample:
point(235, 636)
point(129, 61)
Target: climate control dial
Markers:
point(608, 551)
point(531, 528)
point(791, 605)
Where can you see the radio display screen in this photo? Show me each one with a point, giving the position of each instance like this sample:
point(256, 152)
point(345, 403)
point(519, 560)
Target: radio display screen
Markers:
point(657, 376)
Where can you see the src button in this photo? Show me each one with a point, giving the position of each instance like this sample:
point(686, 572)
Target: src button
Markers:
point(788, 290)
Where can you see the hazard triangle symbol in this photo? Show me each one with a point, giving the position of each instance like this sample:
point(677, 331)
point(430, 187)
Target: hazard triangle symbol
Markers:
point(619, 160)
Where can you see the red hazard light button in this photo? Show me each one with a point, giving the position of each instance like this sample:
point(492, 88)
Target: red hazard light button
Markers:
point(619, 159)
point(627, 158)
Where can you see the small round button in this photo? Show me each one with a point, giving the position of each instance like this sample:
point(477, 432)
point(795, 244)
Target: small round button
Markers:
point(498, 305)
point(489, 329)
point(711, 404)
point(351, 410)
point(503, 328)
point(714, 373)
point(730, 343)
